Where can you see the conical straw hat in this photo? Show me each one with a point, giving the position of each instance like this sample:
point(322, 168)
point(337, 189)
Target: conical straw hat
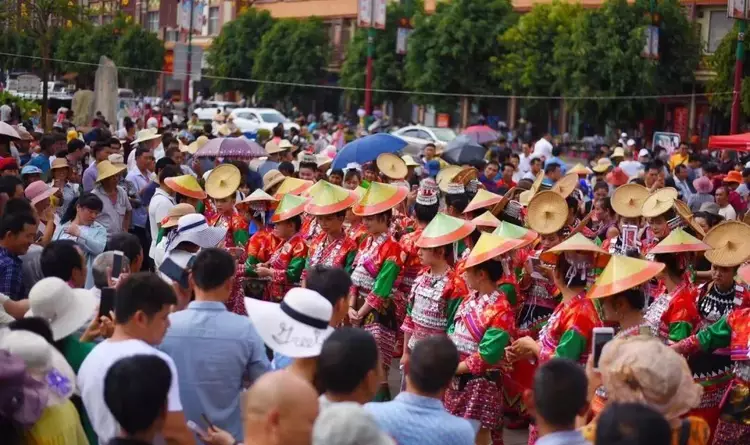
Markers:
point(106, 169)
point(379, 198)
point(360, 191)
point(258, 195)
point(289, 207)
point(512, 231)
point(486, 219)
point(293, 186)
point(574, 243)
point(392, 166)
point(683, 210)
point(466, 175)
point(445, 176)
point(223, 181)
point(627, 200)
point(483, 199)
point(623, 273)
point(729, 242)
point(580, 169)
point(744, 273)
point(525, 197)
point(490, 246)
point(444, 229)
point(327, 198)
point(537, 181)
point(565, 186)
point(547, 212)
point(658, 203)
point(186, 185)
point(679, 241)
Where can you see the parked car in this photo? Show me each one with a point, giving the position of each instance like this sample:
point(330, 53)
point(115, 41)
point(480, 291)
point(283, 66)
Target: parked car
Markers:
point(207, 110)
point(417, 136)
point(253, 119)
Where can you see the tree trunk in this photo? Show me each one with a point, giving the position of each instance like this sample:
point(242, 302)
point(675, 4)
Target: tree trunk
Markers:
point(45, 74)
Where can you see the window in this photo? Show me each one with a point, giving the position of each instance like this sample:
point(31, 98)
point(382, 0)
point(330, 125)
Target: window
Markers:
point(152, 21)
point(172, 35)
point(421, 134)
point(411, 133)
point(213, 21)
point(719, 25)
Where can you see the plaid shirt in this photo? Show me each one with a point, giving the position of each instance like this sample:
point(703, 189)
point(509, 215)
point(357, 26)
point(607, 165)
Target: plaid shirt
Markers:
point(11, 275)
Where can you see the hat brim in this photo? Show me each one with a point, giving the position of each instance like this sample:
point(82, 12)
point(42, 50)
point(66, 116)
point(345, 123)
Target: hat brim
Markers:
point(44, 195)
point(148, 138)
point(462, 232)
point(274, 326)
point(499, 249)
point(206, 238)
point(318, 210)
point(482, 204)
point(291, 213)
point(76, 315)
point(600, 168)
point(650, 270)
point(381, 207)
point(276, 181)
point(171, 221)
point(59, 166)
point(177, 188)
point(115, 171)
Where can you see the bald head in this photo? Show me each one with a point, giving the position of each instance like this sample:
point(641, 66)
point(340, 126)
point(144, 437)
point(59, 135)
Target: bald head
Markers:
point(280, 408)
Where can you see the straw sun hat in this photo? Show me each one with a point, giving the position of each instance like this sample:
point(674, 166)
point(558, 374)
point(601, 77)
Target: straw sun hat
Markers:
point(628, 199)
point(292, 186)
point(186, 185)
point(483, 199)
point(729, 242)
point(379, 198)
point(106, 169)
point(443, 230)
point(512, 231)
point(658, 203)
point(547, 212)
point(565, 186)
point(289, 207)
point(623, 273)
point(489, 247)
point(679, 241)
point(486, 219)
point(272, 178)
point(223, 181)
point(327, 199)
point(175, 213)
point(392, 166)
point(146, 134)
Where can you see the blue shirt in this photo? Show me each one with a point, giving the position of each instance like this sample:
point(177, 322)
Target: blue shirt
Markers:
point(214, 350)
point(139, 181)
point(11, 275)
point(558, 161)
point(41, 161)
point(410, 418)
point(280, 361)
point(563, 438)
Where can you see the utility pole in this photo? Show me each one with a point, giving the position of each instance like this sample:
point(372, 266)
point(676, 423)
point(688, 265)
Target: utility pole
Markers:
point(368, 73)
point(738, 71)
point(371, 15)
point(186, 87)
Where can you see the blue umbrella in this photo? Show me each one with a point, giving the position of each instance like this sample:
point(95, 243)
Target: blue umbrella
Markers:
point(367, 149)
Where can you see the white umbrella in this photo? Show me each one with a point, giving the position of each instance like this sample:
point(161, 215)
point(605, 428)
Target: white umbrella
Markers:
point(7, 130)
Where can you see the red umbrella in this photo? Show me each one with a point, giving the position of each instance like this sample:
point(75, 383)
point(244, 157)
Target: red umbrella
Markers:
point(739, 142)
point(481, 134)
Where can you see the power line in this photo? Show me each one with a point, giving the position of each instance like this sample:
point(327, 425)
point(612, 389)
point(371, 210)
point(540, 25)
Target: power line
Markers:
point(386, 91)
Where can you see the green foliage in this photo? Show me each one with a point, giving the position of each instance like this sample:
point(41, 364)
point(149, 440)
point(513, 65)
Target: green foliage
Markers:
point(529, 67)
point(388, 67)
point(722, 62)
point(233, 51)
point(139, 48)
point(292, 51)
point(25, 105)
point(451, 50)
point(603, 58)
point(18, 43)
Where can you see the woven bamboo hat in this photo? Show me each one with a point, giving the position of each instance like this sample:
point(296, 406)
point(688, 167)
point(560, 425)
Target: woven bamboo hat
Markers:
point(623, 273)
point(512, 231)
point(106, 169)
point(574, 243)
point(197, 144)
point(289, 207)
point(292, 186)
point(565, 186)
point(547, 212)
point(679, 241)
point(683, 210)
point(445, 176)
point(258, 195)
point(486, 219)
point(490, 246)
point(391, 166)
point(379, 198)
point(443, 230)
point(729, 242)
point(627, 200)
point(580, 169)
point(186, 185)
point(327, 198)
point(409, 161)
point(658, 203)
point(223, 181)
point(483, 199)
point(466, 175)
point(602, 165)
point(175, 213)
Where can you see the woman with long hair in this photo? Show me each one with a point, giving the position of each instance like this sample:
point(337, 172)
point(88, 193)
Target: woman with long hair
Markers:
point(79, 224)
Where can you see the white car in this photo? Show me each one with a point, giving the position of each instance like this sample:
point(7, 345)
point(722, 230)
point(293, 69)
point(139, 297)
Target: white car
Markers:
point(418, 136)
point(254, 119)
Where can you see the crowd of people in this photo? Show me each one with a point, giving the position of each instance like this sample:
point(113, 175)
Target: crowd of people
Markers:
point(148, 295)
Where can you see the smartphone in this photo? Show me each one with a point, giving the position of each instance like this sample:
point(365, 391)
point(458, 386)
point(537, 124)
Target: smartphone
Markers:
point(601, 337)
point(196, 429)
point(117, 264)
point(107, 302)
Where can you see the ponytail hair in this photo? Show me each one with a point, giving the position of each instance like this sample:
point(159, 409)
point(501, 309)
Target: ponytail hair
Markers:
point(87, 200)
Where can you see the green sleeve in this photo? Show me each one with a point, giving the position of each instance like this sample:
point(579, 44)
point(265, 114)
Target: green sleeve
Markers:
point(160, 234)
point(451, 309)
point(385, 279)
point(250, 264)
point(349, 262)
point(200, 207)
point(679, 331)
point(294, 270)
point(492, 346)
point(240, 237)
point(716, 336)
point(572, 345)
point(510, 292)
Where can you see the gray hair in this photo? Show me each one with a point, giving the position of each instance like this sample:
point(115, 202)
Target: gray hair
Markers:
point(101, 263)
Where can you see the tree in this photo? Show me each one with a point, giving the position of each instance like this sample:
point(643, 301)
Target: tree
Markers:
point(388, 67)
point(292, 52)
point(603, 59)
point(722, 62)
point(450, 51)
point(232, 53)
point(141, 53)
point(41, 20)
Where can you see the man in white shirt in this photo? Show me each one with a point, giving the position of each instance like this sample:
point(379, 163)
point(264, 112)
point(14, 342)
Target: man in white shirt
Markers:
point(725, 208)
point(524, 159)
point(630, 166)
point(160, 204)
point(142, 308)
point(5, 111)
point(543, 146)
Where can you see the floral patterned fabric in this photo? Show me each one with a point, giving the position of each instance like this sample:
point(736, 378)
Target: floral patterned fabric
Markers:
point(286, 263)
point(338, 252)
point(237, 236)
point(569, 331)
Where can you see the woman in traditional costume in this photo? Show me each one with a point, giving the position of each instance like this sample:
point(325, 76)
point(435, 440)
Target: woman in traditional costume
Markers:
point(285, 265)
point(331, 247)
point(482, 328)
point(374, 298)
point(189, 191)
point(627, 201)
point(263, 242)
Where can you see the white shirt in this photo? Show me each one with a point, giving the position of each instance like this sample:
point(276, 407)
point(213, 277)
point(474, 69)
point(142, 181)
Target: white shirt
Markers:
point(631, 168)
point(524, 163)
point(91, 382)
point(157, 210)
point(543, 148)
point(728, 212)
point(5, 111)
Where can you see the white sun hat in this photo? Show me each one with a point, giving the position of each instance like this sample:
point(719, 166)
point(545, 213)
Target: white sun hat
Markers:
point(296, 327)
point(193, 228)
point(65, 309)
